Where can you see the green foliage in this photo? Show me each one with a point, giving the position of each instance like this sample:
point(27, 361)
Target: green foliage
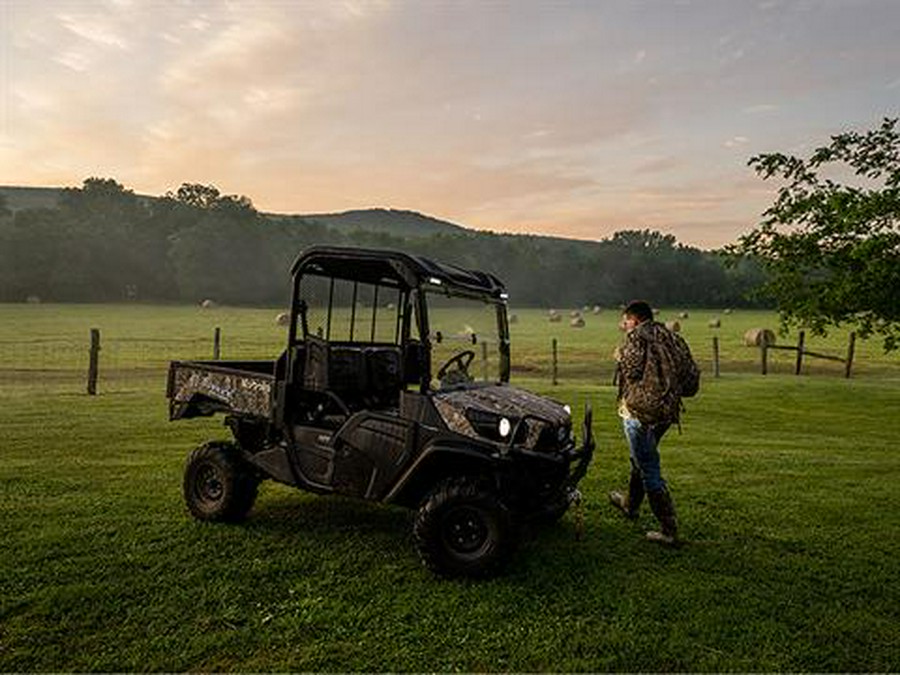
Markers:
point(99, 243)
point(831, 246)
point(219, 252)
point(102, 242)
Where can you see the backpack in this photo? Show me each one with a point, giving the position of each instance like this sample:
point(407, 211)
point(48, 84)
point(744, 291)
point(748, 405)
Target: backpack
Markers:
point(669, 374)
point(687, 373)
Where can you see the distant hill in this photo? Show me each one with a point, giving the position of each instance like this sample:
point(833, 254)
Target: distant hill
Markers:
point(395, 222)
point(386, 221)
point(108, 260)
point(18, 198)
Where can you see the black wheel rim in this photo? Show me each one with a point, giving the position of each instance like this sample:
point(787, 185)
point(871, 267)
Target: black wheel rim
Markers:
point(465, 530)
point(208, 485)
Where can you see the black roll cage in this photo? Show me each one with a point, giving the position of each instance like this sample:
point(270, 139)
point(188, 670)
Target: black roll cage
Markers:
point(413, 276)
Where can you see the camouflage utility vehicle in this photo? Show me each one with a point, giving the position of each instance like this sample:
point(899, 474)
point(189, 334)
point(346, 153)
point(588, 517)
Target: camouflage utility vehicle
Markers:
point(375, 397)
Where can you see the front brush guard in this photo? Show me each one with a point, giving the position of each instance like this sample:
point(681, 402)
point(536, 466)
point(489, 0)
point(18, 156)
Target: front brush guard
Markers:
point(585, 453)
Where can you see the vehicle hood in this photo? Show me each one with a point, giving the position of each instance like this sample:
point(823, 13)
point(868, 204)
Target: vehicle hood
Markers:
point(456, 406)
point(505, 400)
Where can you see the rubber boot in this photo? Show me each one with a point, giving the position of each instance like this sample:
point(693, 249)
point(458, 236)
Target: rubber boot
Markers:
point(664, 509)
point(630, 503)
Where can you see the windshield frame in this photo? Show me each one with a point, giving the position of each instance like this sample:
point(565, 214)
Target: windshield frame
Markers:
point(430, 339)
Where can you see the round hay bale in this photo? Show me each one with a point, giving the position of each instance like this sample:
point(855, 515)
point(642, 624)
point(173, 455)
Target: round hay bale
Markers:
point(673, 326)
point(283, 319)
point(33, 300)
point(575, 314)
point(715, 322)
point(513, 318)
point(727, 311)
point(208, 304)
point(682, 315)
point(596, 309)
point(554, 316)
point(757, 337)
point(577, 322)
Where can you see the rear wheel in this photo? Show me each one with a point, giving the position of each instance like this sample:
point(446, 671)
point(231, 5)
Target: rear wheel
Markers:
point(218, 485)
point(463, 529)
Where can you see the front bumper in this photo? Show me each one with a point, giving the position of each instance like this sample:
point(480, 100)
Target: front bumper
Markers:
point(581, 457)
point(563, 468)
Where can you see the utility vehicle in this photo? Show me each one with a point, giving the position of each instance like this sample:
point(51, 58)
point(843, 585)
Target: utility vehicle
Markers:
point(393, 388)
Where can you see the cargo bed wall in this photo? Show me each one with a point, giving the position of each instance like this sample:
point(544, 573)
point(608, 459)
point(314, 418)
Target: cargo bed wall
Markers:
point(202, 388)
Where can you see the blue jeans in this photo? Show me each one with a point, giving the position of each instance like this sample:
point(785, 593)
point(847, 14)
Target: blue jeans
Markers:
point(643, 447)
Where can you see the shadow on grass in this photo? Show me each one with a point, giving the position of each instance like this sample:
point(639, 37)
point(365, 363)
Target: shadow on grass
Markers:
point(593, 546)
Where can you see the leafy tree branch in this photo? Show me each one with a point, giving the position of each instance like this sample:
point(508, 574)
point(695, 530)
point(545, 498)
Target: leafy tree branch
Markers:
point(831, 241)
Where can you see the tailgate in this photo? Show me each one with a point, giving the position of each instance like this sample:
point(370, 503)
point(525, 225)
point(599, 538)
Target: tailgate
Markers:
point(197, 388)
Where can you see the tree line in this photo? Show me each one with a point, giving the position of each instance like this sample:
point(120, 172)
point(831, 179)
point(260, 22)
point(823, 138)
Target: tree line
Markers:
point(104, 243)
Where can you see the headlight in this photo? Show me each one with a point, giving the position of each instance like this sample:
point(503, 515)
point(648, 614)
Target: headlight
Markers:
point(491, 425)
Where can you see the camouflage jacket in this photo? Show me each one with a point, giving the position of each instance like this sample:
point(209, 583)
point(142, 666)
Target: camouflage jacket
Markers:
point(646, 381)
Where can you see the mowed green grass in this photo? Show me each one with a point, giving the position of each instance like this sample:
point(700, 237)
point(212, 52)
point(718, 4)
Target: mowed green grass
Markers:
point(786, 489)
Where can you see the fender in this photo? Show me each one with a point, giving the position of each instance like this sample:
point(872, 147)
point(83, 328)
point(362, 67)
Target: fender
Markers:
point(440, 459)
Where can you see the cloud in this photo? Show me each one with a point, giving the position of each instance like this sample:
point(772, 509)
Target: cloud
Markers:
point(572, 118)
point(736, 141)
point(760, 108)
point(659, 165)
point(74, 60)
point(96, 28)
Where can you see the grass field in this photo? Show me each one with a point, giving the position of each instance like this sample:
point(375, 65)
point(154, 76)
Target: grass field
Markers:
point(786, 488)
point(47, 343)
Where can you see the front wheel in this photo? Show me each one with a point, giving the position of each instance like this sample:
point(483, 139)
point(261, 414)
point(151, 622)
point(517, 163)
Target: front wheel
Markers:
point(218, 485)
point(555, 508)
point(463, 530)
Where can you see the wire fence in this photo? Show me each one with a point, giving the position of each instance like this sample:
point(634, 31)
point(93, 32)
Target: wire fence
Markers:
point(113, 363)
point(96, 363)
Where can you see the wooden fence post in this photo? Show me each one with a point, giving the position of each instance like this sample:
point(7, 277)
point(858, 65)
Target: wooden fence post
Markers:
point(217, 343)
point(555, 362)
point(715, 356)
point(93, 362)
point(850, 349)
point(764, 356)
point(801, 338)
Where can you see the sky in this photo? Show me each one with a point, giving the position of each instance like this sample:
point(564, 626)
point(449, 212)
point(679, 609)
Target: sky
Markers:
point(570, 119)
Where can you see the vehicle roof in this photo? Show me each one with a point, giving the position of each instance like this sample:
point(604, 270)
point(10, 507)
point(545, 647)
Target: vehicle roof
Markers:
point(371, 265)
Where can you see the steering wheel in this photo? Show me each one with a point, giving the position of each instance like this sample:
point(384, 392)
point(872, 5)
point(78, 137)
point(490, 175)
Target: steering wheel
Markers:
point(462, 361)
point(328, 404)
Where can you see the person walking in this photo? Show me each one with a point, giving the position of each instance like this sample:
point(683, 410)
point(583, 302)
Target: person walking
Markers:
point(649, 402)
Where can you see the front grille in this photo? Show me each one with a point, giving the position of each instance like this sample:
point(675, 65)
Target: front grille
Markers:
point(542, 436)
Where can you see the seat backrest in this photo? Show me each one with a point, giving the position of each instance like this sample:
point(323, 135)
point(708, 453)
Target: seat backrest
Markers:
point(347, 372)
point(355, 372)
point(384, 366)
